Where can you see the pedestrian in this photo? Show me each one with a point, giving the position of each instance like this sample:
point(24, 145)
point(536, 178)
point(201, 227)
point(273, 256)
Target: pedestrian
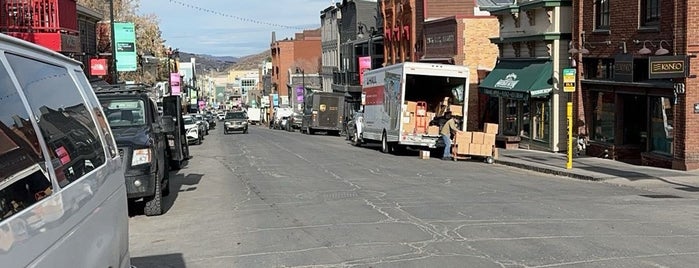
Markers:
point(449, 129)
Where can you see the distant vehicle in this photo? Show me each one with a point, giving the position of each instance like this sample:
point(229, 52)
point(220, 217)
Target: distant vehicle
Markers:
point(62, 191)
point(295, 122)
point(235, 121)
point(254, 115)
point(323, 112)
point(221, 116)
point(142, 137)
point(211, 120)
point(387, 89)
point(194, 130)
point(279, 114)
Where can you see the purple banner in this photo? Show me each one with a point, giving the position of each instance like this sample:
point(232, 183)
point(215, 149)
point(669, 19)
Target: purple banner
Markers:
point(175, 84)
point(299, 93)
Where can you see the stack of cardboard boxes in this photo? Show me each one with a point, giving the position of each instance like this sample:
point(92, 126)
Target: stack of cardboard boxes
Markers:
point(476, 143)
point(410, 116)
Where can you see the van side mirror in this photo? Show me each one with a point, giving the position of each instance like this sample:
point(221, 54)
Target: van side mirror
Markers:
point(167, 123)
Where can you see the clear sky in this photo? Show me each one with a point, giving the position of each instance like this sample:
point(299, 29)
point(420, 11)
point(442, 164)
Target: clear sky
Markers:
point(193, 30)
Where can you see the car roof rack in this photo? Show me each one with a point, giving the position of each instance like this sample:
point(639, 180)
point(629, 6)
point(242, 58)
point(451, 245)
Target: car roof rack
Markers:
point(122, 88)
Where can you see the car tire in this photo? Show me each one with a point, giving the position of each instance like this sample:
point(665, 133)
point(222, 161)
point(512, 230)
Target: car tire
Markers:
point(154, 204)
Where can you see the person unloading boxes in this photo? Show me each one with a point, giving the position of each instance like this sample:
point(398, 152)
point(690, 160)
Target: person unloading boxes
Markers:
point(448, 130)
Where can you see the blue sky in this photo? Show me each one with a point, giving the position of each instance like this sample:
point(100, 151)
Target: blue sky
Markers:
point(201, 32)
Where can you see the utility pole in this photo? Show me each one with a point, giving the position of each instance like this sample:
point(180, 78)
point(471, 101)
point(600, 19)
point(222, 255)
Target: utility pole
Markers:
point(115, 74)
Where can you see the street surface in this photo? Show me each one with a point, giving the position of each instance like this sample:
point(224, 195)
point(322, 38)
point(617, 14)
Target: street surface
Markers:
point(277, 199)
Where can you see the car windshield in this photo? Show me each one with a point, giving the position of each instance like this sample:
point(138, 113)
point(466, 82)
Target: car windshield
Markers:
point(188, 120)
point(235, 116)
point(124, 112)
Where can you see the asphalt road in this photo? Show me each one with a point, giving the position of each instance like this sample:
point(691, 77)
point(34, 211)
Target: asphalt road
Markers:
point(272, 198)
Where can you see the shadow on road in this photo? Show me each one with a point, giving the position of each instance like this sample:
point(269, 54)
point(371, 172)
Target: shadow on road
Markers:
point(159, 261)
point(178, 183)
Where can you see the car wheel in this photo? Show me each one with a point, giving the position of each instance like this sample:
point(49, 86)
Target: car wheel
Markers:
point(154, 204)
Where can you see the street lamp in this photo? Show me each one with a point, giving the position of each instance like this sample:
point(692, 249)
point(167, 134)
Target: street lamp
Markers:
point(115, 74)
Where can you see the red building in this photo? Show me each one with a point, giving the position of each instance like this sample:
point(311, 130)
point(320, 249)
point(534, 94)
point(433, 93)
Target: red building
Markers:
point(636, 63)
point(50, 23)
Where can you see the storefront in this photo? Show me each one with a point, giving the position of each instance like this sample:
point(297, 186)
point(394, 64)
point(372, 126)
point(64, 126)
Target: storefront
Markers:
point(527, 104)
point(630, 107)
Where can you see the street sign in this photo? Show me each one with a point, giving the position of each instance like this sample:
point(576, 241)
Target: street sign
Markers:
point(569, 80)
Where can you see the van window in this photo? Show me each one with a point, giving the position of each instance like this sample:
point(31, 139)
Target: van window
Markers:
point(24, 178)
point(101, 119)
point(65, 123)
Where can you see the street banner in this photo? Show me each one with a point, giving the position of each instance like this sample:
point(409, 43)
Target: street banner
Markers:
point(364, 64)
point(275, 100)
point(299, 94)
point(175, 84)
point(125, 39)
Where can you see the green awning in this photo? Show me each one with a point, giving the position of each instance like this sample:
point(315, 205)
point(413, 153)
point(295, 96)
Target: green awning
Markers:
point(519, 79)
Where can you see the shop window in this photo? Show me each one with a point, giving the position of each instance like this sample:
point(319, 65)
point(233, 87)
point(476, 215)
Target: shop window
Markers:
point(24, 178)
point(65, 123)
point(541, 119)
point(650, 12)
point(661, 123)
point(603, 116)
point(597, 68)
point(511, 123)
point(602, 14)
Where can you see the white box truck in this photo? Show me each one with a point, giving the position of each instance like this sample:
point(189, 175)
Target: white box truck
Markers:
point(387, 91)
point(254, 115)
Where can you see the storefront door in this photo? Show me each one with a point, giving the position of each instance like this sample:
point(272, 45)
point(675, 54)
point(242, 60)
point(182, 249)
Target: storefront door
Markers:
point(635, 126)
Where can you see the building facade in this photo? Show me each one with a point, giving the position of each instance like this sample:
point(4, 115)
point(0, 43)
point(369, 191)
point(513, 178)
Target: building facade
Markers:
point(303, 51)
point(526, 81)
point(636, 103)
point(330, 43)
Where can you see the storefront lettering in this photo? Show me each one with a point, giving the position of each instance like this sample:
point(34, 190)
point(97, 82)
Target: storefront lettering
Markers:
point(509, 82)
point(439, 39)
point(658, 67)
point(623, 67)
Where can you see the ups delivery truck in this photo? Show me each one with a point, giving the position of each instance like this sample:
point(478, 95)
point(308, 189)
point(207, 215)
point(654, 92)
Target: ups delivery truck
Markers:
point(322, 112)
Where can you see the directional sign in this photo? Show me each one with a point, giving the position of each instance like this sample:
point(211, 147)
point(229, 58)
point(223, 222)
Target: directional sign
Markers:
point(569, 80)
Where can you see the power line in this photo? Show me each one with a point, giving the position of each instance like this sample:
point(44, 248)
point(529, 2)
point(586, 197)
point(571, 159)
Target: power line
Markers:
point(249, 20)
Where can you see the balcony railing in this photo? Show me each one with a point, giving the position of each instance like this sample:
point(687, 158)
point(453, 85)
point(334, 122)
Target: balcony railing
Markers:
point(346, 78)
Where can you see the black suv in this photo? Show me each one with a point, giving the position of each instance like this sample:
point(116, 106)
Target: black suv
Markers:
point(150, 144)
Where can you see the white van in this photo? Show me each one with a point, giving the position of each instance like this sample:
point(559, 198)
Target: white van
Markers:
point(62, 192)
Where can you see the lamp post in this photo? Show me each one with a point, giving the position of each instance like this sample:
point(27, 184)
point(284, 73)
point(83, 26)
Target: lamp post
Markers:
point(115, 74)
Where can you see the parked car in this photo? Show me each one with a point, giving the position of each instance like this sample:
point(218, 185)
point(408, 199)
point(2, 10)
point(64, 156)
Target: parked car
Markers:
point(235, 121)
point(211, 120)
point(194, 130)
point(295, 122)
point(74, 214)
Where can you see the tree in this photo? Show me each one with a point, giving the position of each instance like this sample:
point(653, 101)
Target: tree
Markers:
point(149, 41)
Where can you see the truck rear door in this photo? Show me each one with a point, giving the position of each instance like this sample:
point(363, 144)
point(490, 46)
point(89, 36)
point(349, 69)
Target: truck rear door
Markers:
point(328, 112)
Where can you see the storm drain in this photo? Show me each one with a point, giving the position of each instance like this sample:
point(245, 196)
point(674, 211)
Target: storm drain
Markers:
point(660, 196)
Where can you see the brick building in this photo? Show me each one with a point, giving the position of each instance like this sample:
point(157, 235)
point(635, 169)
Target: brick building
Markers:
point(303, 51)
point(636, 103)
point(525, 88)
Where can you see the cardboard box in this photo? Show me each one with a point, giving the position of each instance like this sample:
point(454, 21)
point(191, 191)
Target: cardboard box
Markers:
point(445, 102)
point(463, 137)
point(474, 149)
point(486, 150)
point(431, 116)
point(456, 110)
point(463, 148)
point(490, 128)
point(412, 106)
point(424, 154)
point(478, 137)
point(433, 130)
point(489, 139)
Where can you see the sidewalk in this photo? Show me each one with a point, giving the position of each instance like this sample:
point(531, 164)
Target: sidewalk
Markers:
point(667, 181)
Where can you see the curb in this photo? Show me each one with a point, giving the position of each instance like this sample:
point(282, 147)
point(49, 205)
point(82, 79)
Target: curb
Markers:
point(551, 171)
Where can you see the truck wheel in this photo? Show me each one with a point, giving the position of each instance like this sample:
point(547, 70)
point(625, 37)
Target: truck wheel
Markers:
point(154, 204)
point(384, 144)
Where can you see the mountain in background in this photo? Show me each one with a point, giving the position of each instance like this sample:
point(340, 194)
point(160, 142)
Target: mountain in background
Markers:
point(221, 64)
